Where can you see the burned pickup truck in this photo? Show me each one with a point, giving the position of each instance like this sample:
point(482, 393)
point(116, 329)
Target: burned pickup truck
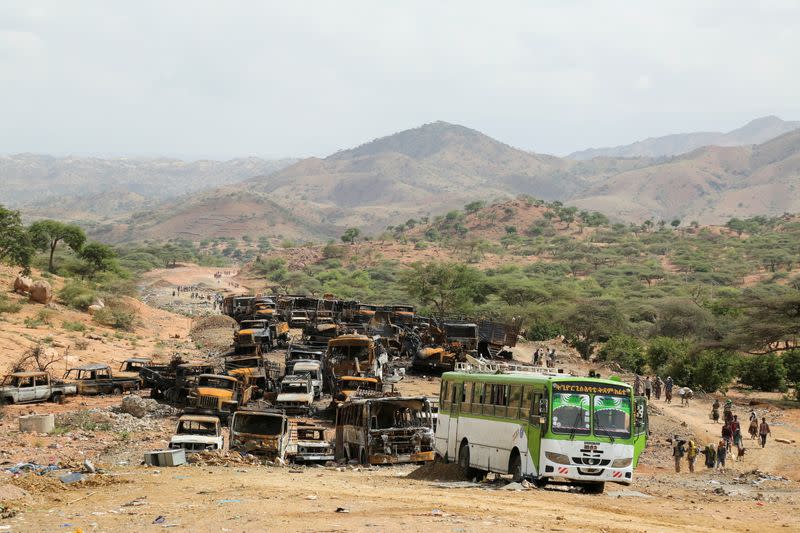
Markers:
point(98, 379)
point(32, 387)
point(390, 430)
point(197, 433)
point(309, 445)
point(264, 433)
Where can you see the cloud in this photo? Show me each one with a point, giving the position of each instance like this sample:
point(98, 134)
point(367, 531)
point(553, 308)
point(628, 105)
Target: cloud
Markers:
point(202, 78)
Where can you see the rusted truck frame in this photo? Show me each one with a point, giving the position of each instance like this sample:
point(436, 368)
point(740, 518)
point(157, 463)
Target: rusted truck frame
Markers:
point(265, 433)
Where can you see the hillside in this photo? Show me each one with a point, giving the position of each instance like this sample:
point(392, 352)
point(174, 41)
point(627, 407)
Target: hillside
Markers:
point(711, 184)
point(754, 132)
point(93, 189)
point(411, 174)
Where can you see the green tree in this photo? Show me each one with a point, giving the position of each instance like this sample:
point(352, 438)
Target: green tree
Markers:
point(791, 362)
point(591, 321)
point(350, 235)
point(625, 350)
point(662, 350)
point(472, 207)
point(763, 372)
point(708, 370)
point(16, 246)
point(448, 287)
point(99, 256)
point(46, 235)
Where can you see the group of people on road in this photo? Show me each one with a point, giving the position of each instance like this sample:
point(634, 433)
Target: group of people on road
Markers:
point(544, 357)
point(716, 454)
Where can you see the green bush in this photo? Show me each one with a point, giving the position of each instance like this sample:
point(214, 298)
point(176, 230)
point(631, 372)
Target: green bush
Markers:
point(663, 350)
point(73, 326)
point(627, 351)
point(8, 306)
point(116, 315)
point(77, 294)
point(708, 370)
point(542, 330)
point(763, 372)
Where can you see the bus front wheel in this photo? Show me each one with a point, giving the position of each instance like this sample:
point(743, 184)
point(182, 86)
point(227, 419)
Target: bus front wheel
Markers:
point(463, 462)
point(594, 488)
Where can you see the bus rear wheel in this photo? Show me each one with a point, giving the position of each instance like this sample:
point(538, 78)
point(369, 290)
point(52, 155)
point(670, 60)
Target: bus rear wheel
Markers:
point(515, 467)
point(463, 461)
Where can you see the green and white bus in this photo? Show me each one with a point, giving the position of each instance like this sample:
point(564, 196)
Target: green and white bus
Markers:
point(540, 425)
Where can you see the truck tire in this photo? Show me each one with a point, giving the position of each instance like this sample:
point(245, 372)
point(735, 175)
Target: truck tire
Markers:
point(8, 400)
point(57, 398)
point(116, 391)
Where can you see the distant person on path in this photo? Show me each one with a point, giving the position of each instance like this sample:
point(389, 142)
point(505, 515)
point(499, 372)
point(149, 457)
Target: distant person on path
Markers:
point(691, 454)
point(678, 451)
point(657, 386)
point(551, 358)
point(721, 453)
point(753, 429)
point(648, 387)
point(711, 455)
point(763, 431)
point(727, 411)
point(536, 357)
point(637, 385)
point(686, 394)
point(668, 390)
point(715, 411)
point(727, 435)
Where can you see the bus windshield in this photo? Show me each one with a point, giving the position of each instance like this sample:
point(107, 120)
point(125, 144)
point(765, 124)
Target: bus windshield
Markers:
point(571, 413)
point(612, 416)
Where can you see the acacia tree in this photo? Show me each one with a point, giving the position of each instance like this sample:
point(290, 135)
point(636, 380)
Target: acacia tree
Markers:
point(15, 241)
point(448, 287)
point(99, 256)
point(47, 234)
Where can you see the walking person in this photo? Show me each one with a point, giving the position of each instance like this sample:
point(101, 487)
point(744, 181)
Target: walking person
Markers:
point(648, 387)
point(721, 454)
point(637, 385)
point(763, 431)
point(715, 411)
point(657, 386)
point(753, 429)
point(678, 451)
point(691, 454)
point(668, 390)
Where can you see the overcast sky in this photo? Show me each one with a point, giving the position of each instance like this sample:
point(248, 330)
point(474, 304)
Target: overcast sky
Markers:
point(225, 79)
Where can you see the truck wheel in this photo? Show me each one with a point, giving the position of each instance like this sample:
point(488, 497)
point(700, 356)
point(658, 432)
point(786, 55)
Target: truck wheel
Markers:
point(363, 457)
point(515, 467)
point(8, 400)
point(58, 398)
point(117, 391)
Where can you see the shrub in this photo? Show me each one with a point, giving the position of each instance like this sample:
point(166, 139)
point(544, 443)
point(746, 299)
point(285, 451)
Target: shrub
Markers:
point(116, 315)
point(763, 372)
point(625, 350)
point(662, 350)
point(8, 306)
point(78, 295)
point(542, 330)
point(73, 326)
point(708, 370)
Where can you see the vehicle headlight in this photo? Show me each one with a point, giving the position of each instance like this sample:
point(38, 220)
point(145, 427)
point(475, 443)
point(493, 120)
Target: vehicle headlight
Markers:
point(559, 458)
point(622, 463)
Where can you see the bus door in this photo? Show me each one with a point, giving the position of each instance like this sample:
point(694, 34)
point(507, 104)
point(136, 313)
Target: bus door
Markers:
point(456, 391)
point(641, 428)
point(535, 411)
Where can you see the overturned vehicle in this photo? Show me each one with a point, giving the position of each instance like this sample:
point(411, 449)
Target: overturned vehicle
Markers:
point(390, 430)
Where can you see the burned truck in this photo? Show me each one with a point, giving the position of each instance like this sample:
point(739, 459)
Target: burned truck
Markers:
point(438, 347)
point(378, 431)
point(218, 395)
point(264, 433)
point(353, 355)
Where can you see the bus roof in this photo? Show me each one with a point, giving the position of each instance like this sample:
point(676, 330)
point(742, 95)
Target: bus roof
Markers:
point(525, 378)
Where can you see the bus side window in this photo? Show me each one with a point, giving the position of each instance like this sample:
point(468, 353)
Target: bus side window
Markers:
point(445, 401)
point(466, 402)
point(527, 398)
point(477, 398)
point(514, 401)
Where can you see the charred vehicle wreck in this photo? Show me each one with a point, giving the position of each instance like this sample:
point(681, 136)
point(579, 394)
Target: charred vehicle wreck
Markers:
point(390, 430)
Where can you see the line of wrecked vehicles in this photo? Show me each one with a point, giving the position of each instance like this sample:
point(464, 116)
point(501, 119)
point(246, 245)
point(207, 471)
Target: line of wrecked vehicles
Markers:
point(344, 368)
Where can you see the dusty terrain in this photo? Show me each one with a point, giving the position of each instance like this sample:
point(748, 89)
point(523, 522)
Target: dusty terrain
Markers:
point(244, 497)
